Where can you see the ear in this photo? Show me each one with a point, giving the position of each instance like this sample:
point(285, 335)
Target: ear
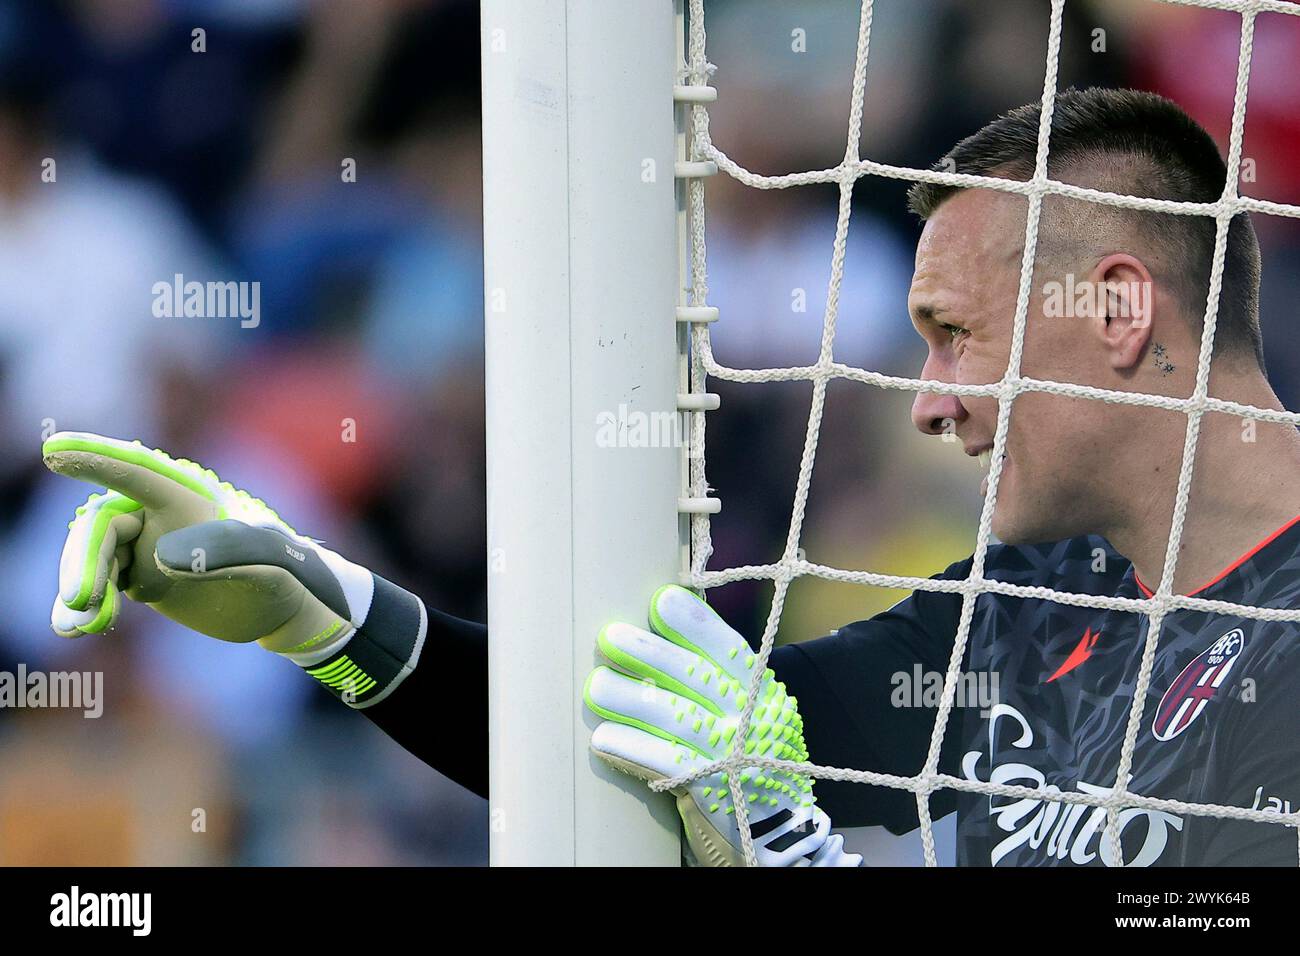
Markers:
point(1127, 297)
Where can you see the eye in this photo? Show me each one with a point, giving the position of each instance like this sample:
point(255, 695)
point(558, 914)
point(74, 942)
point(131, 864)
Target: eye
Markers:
point(954, 331)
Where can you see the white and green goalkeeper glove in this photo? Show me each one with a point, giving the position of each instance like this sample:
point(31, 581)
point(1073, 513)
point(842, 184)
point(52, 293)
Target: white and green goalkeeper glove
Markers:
point(170, 534)
point(674, 704)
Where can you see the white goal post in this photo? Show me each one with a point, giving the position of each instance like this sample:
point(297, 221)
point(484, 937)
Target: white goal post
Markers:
point(582, 278)
point(593, 207)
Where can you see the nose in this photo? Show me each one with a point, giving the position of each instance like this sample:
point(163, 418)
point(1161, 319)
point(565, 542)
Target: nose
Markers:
point(935, 414)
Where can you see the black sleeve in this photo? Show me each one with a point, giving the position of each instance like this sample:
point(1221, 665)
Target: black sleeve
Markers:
point(451, 678)
point(845, 684)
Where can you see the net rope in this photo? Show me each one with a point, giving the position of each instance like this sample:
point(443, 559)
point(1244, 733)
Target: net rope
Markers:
point(1013, 383)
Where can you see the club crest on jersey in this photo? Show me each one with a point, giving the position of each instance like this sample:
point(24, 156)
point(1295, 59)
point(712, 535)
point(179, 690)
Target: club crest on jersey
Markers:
point(1196, 686)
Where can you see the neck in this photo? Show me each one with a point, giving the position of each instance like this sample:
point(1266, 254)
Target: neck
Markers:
point(1245, 486)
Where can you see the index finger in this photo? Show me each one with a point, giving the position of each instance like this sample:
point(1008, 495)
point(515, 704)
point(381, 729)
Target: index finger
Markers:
point(683, 618)
point(149, 476)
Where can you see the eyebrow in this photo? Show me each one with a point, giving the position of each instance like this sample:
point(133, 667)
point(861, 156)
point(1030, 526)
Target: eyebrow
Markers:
point(928, 313)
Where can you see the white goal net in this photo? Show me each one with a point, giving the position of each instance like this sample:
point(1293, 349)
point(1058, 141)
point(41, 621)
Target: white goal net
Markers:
point(705, 158)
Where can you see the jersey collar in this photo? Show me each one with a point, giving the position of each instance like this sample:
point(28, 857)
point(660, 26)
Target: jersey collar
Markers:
point(1293, 523)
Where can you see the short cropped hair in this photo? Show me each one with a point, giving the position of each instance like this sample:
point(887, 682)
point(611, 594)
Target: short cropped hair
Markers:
point(1152, 148)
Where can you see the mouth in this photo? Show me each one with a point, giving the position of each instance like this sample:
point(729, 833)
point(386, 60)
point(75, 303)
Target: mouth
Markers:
point(984, 456)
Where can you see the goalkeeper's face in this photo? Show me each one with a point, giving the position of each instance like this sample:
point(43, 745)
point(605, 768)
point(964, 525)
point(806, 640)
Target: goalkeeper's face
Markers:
point(963, 304)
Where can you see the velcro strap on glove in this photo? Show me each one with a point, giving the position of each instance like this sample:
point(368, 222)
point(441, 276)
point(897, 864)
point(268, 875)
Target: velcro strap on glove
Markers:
point(369, 665)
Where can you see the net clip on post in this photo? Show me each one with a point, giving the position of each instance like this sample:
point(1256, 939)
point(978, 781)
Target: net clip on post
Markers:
point(694, 94)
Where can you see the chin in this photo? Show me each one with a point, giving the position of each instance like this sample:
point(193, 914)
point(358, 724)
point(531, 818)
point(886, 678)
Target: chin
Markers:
point(1015, 526)
point(1008, 532)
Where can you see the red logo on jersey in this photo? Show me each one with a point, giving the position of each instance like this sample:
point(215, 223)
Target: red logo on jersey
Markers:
point(1196, 685)
point(1078, 655)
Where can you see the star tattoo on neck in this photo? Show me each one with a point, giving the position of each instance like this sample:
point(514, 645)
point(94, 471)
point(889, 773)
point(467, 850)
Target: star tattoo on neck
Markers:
point(1161, 357)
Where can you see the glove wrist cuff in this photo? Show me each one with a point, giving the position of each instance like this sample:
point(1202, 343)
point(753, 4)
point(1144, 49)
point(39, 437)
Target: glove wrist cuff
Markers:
point(363, 668)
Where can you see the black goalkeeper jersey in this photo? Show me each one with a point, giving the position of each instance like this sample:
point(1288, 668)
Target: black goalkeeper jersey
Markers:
point(1051, 689)
point(1048, 688)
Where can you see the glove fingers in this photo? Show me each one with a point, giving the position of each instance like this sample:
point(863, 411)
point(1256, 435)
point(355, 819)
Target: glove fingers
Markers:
point(641, 754)
point(683, 618)
point(640, 704)
point(675, 669)
point(215, 546)
point(147, 476)
point(123, 556)
point(99, 533)
point(686, 621)
point(266, 586)
point(97, 617)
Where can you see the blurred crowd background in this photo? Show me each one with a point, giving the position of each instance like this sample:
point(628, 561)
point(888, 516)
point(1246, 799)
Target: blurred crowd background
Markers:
point(226, 164)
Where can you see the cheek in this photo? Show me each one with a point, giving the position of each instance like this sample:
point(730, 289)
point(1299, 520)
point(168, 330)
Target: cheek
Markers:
point(1055, 350)
point(977, 365)
point(982, 410)
point(1041, 429)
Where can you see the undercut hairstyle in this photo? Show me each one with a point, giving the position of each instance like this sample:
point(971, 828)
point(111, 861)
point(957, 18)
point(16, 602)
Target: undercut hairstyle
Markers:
point(1138, 144)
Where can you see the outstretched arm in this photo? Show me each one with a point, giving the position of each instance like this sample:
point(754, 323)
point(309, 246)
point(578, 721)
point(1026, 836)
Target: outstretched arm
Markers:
point(170, 534)
point(440, 713)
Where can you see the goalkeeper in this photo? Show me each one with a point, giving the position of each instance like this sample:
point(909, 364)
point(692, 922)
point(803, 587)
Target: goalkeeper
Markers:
point(1084, 506)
